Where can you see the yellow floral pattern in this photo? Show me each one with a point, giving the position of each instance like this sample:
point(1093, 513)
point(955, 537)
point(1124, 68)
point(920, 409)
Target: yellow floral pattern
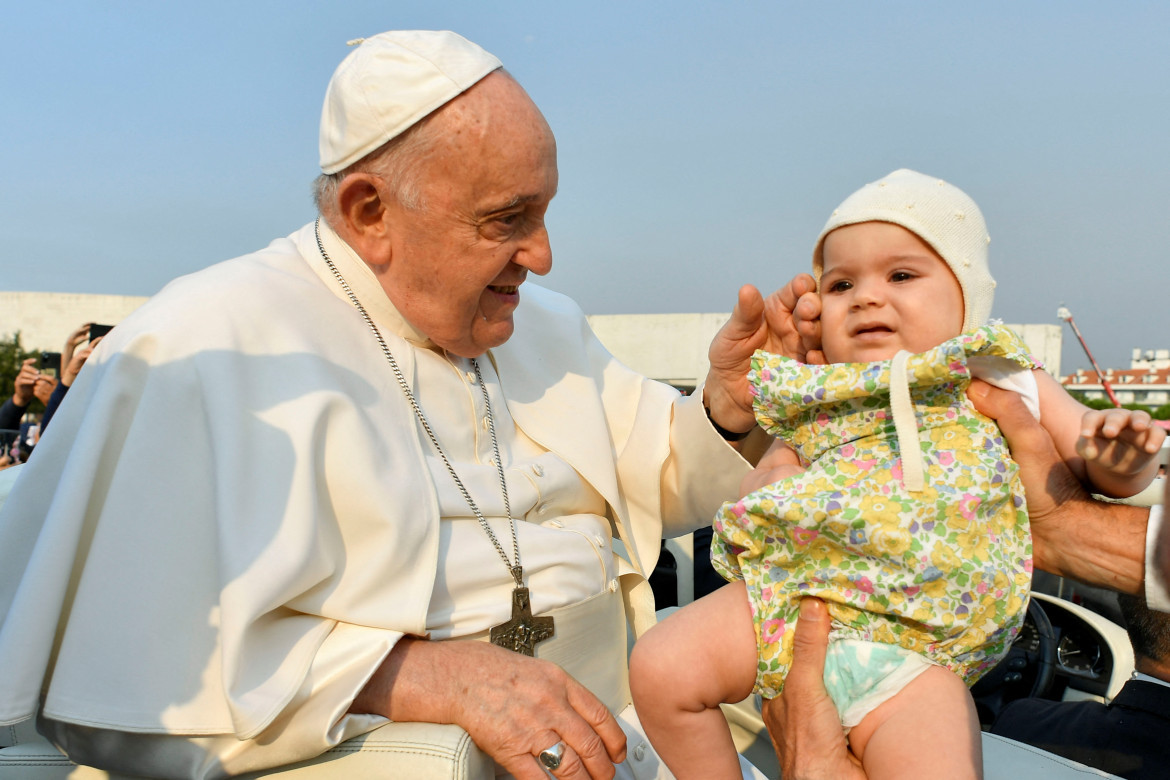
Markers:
point(944, 572)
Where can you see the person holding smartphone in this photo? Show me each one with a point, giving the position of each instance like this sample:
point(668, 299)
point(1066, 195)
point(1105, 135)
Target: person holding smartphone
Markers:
point(71, 359)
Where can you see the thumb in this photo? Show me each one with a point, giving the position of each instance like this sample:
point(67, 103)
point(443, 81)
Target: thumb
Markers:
point(810, 642)
point(1006, 408)
point(734, 343)
point(748, 311)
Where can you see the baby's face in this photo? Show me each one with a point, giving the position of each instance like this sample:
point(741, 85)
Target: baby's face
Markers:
point(883, 289)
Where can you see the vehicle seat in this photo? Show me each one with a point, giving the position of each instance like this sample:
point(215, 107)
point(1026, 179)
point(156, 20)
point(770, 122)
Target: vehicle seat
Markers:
point(417, 750)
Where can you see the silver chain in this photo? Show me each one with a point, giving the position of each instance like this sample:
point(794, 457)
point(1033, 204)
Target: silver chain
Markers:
point(516, 570)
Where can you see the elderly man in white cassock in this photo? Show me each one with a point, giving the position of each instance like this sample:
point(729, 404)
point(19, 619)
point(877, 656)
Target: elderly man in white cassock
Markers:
point(364, 473)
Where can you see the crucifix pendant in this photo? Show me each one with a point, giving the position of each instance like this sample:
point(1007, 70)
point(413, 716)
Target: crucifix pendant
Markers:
point(523, 631)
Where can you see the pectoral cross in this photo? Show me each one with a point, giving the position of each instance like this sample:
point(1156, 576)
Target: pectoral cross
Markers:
point(523, 631)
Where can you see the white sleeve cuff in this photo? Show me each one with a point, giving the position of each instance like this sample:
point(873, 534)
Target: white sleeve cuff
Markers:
point(1157, 594)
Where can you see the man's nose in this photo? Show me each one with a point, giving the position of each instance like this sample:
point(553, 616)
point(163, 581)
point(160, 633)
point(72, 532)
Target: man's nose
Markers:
point(535, 253)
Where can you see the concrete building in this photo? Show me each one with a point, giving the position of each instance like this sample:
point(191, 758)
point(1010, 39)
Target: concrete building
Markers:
point(45, 320)
point(1146, 381)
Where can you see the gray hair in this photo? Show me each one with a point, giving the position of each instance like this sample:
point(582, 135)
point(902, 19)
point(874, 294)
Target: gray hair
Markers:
point(399, 162)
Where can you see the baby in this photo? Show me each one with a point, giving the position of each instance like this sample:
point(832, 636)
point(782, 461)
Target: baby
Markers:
point(887, 495)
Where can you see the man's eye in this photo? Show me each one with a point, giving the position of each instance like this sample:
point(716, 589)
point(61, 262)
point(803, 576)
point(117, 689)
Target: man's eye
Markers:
point(502, 226)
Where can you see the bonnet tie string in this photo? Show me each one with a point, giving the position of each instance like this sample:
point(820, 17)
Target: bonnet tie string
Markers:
point(906, 425)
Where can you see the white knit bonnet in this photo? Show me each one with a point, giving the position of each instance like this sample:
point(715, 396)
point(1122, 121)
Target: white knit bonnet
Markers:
point(940, 214)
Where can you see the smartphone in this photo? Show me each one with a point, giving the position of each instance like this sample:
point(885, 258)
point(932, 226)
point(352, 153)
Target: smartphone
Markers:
point(51, 363)
point(97, 331)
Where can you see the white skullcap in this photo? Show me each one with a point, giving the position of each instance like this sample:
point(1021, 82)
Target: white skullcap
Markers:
point(390, 82)
point(940, 214)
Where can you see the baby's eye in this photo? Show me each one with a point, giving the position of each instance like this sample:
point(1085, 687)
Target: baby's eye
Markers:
point(901, 276)
point(840, 286)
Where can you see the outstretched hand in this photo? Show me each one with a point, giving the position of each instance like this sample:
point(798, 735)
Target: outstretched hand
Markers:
point(786, 323)
point(803, 721)
point(1123, 441)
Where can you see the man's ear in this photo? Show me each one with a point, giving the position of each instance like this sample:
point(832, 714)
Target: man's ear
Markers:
point(364, 216)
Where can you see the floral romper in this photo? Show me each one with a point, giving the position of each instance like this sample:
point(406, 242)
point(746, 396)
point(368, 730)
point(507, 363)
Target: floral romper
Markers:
point(944, 571)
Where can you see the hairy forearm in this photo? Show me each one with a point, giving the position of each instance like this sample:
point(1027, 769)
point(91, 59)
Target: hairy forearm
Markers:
point(1096, 543)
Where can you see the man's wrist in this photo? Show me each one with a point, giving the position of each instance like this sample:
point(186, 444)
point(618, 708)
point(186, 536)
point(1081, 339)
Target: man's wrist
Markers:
point(726, 434)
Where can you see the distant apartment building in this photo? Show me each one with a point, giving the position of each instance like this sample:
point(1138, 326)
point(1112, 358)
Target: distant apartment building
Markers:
point(1146, 381)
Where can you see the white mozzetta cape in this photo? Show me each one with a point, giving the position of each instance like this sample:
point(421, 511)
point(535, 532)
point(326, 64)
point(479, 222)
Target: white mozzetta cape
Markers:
point(234, 489)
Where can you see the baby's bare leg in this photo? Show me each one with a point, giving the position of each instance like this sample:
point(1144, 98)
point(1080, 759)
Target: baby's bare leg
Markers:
point(680, 672)
point(929, 729)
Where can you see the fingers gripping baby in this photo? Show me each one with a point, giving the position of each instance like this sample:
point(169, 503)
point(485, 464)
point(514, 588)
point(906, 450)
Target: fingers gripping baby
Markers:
point(887, 495)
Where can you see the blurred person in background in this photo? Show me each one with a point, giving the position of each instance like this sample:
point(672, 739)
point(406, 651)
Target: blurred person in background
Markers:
point(72, 359)
point(1125, 737)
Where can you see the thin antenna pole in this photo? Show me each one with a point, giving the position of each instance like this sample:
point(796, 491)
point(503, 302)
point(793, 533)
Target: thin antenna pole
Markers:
point(1066, 315)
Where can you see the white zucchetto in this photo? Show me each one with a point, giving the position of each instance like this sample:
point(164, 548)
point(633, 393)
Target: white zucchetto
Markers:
point(390, 82)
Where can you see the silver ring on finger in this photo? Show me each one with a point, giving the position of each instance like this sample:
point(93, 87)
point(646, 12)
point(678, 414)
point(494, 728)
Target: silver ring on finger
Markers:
point(550, 758)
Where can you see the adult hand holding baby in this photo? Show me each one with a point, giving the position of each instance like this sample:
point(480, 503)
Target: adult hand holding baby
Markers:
point(1072, 534)
point(803, 721)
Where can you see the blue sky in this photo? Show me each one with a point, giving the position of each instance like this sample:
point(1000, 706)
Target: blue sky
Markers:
point(701, 145)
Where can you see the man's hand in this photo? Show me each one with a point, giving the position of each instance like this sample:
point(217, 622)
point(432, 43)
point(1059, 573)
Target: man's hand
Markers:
point(1073, 535)
point(512, 706)
point(25, 384)
point(786, 323)
point(803, 721)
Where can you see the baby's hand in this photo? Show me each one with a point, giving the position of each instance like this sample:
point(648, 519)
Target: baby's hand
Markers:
point(1121, 441)
point(779, 462)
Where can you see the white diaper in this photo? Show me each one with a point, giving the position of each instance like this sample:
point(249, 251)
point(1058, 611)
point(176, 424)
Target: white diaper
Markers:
point(862, 675)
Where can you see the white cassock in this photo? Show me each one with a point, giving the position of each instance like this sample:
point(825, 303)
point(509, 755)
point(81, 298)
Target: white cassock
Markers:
point(236, 515)
point(1157, 588)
